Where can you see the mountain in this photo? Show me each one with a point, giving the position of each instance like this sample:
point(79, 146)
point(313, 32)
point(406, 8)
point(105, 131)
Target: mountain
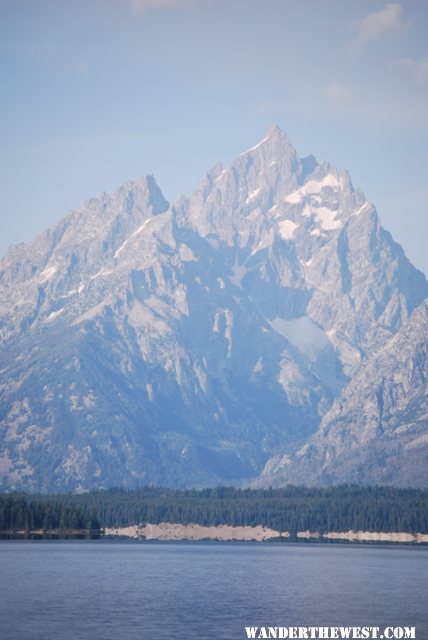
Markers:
point(199, 343)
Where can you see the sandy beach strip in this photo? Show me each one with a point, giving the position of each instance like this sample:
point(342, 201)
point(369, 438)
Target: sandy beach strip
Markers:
point(171, 531)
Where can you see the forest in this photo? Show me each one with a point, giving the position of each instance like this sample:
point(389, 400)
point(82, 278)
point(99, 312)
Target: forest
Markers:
point(292, 509)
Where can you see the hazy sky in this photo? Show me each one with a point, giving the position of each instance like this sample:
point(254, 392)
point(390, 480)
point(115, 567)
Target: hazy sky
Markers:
point(95, 92)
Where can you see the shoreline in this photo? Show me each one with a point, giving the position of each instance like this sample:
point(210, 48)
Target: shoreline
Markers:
point(165, 531)
point(175, 532)
point(54, 533)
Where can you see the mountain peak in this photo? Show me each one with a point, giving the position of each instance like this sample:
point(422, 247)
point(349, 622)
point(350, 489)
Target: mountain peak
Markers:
point(156, 197)
point(274, 140)
point(148, 189)
point(275, 135)
point(275, 130)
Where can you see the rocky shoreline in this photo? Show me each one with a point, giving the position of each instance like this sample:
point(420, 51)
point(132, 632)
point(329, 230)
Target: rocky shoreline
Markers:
point(170, 531)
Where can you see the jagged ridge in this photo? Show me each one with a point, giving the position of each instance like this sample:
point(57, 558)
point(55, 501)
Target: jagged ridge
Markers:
point(187, 345)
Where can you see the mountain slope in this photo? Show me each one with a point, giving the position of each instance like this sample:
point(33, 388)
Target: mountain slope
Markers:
point(187, 345)
point(377, 429)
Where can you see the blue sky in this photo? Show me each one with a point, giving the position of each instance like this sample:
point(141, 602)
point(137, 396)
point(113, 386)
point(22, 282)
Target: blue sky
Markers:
point(95, 92)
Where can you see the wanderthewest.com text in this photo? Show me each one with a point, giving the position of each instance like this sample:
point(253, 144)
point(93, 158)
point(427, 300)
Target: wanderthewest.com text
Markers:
point(331, 633)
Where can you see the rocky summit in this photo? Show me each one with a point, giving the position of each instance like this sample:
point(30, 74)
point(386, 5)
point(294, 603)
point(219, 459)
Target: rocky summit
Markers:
point(264, 330)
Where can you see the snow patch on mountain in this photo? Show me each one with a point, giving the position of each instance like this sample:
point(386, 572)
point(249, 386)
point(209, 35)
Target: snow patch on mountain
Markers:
point(256, 146)
point(313, 189)
point(303, 333)
point(239, 271)
point(326, 218)
point(287, 229)
point(253, 195)
point(46, 274)
point(135, 233)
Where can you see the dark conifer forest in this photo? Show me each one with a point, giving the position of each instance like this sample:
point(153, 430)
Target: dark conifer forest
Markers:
point(290, 509)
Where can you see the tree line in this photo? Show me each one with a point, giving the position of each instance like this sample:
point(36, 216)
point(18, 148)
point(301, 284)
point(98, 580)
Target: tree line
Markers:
point(292, 509)
point(28, 513)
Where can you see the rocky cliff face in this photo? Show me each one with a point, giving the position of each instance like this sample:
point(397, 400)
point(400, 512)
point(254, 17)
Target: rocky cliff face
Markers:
point(191, 345)
point(377, 429)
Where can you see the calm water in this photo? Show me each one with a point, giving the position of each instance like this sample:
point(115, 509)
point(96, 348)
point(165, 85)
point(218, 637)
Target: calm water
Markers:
point(126, 591)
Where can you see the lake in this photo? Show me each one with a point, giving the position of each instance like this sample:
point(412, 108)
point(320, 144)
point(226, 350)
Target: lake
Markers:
point(90, 590)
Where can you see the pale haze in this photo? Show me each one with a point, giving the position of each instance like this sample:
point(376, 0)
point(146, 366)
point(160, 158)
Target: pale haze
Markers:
point(98, 92)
